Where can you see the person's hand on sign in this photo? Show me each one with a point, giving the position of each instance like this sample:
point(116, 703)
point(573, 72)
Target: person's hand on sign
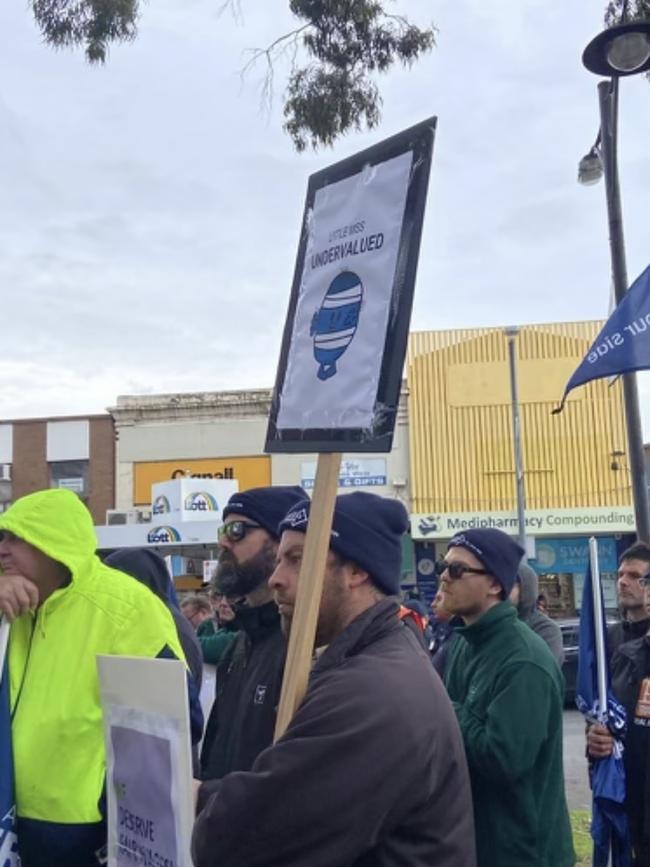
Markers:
point(17, 595)
point(600, 742)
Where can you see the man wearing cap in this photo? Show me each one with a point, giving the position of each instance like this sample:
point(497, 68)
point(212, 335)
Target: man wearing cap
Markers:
point(507, 691)
point(249, 674)
point(371, 769)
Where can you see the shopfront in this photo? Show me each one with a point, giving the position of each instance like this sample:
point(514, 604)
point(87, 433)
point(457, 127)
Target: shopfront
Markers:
point(557, 543)
point(462, 447)
point(250, 472)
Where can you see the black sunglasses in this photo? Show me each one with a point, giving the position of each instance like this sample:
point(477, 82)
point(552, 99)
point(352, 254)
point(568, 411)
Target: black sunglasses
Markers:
point(456, 570)
point(236, 530)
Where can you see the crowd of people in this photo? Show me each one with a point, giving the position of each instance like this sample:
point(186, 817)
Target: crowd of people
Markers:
point(412, 746)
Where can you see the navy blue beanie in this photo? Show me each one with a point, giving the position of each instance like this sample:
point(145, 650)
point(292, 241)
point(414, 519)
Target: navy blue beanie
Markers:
point(500, 554)
point(265, 506)
point(367, 530)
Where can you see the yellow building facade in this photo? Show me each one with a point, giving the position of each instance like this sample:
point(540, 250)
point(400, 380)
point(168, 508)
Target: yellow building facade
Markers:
point(462, 468)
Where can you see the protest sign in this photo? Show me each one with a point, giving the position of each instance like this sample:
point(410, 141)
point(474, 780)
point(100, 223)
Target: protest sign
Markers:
point(342, 355)
point(340, 369)
point(149, 765)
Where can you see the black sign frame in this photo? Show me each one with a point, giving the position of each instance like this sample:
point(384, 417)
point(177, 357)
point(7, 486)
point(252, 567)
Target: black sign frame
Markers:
point(379, 436)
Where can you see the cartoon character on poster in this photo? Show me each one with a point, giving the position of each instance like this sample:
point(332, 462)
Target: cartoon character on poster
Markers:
point(335, 323)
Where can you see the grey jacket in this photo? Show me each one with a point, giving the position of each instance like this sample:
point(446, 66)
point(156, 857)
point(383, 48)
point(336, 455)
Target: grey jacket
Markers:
point(533, 617)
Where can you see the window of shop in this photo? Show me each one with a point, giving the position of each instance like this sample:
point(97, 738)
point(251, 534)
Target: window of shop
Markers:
point(72, 475)
point(562, 564)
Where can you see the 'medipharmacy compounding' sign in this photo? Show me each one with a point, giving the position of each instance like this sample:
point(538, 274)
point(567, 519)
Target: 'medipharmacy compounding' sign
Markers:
point(345, 337)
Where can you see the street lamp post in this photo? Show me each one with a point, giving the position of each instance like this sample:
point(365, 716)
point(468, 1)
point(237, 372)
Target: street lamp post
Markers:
point(620, 51)
point(511, 335)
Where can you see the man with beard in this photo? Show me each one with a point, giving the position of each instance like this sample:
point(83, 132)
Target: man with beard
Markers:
point(371, 770)
point(249, 674)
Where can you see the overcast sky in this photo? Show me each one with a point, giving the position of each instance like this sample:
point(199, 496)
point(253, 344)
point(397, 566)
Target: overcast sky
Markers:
point(149, 211)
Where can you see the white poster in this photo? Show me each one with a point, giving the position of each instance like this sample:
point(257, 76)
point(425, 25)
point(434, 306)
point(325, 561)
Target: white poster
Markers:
point(148, 757)
point(341, 318)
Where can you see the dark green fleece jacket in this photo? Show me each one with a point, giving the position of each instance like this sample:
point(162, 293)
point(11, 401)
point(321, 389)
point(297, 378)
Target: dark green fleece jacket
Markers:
point(507, 691)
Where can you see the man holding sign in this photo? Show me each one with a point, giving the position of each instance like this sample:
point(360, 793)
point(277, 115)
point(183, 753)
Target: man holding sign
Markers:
point(371, 769)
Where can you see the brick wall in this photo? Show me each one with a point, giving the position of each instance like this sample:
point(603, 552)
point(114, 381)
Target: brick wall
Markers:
point(101, 480)
point(29, 465)
point(30, 471)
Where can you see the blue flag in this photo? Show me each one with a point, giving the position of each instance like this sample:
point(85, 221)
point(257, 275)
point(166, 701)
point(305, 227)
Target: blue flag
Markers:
point(609, 827)
point(8, 840)
point(623, 345)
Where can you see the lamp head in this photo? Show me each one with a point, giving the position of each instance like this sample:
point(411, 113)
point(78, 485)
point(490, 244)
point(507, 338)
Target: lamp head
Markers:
point(590, 168)
point(620, 50)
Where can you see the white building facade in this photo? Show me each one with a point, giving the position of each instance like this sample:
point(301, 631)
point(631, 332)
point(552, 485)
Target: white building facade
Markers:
point(221, 435)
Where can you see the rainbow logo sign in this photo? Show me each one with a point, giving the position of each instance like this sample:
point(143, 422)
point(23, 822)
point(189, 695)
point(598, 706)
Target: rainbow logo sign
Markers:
point(162, 535)
point(160, 506)
point(200, 502)
point(334, 325)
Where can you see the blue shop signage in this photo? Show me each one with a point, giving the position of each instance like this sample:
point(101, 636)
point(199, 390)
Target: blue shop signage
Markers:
point(570, 555)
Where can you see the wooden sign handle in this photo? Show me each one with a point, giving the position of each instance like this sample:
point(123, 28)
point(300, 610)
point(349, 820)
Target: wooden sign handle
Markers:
point(310, 590)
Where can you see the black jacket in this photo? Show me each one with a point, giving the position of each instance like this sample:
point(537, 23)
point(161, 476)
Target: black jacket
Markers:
point(624, 631)
point(150, 569)
point(371, 771)
point(249, 680)
point(630, 667)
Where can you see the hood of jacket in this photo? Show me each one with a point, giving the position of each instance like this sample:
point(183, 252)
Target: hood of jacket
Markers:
point(58, 524)
point(148, 568)
point(529, 590)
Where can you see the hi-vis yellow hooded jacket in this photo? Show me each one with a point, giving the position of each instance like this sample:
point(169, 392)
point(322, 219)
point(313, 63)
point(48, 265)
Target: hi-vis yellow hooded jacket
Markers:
point(58, 743)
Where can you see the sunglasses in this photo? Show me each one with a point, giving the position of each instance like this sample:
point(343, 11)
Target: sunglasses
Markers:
point(236, 530)
point(456, 570)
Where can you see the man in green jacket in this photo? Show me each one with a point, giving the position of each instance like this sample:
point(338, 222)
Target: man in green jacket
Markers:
point(66, 607)
point(507, 691)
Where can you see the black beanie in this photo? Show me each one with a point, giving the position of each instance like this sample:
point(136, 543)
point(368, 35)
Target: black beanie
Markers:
point(265, 506)
point(367, 530)
point(500, 554)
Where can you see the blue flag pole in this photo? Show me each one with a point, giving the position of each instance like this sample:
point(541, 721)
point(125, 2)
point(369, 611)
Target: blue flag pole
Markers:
point(599, 631)
point(8, 840)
